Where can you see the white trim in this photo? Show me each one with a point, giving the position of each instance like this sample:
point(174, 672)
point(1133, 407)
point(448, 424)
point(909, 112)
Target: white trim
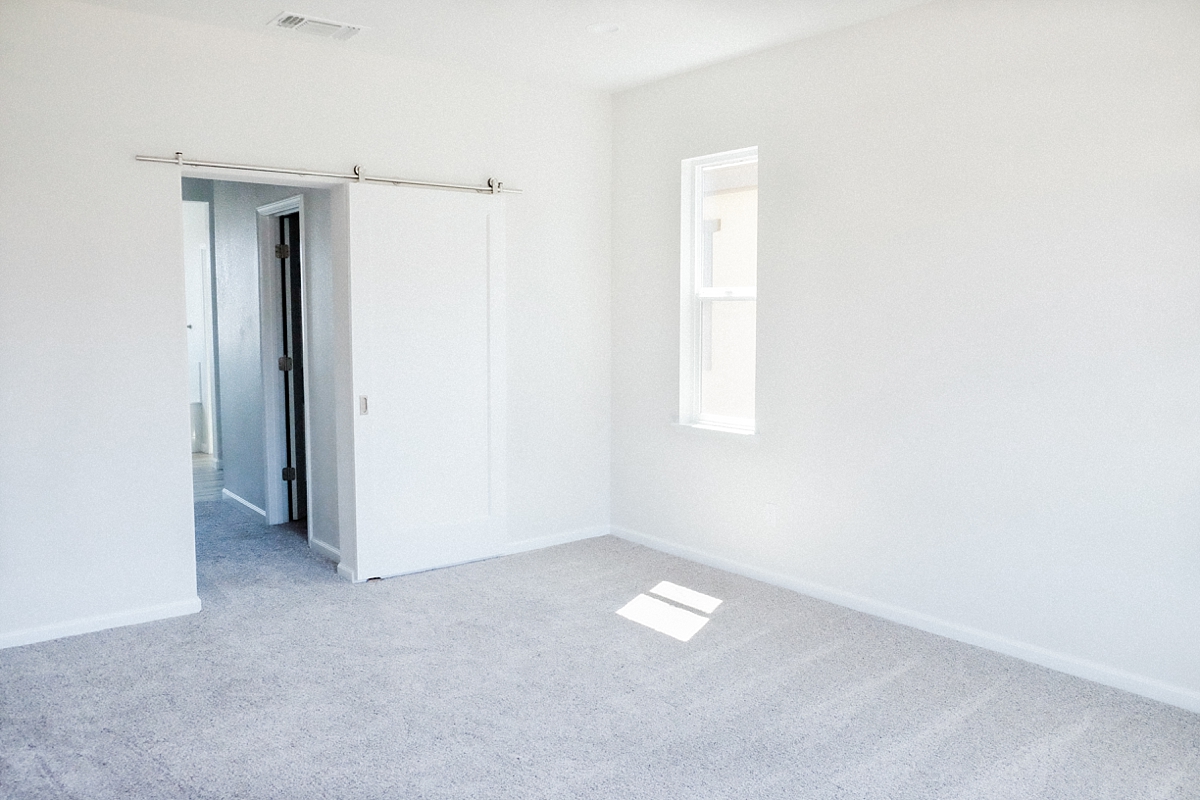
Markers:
point(716, 422)
point(282, 207)
point(506, 549)
point(243, 501)
point(326, 550)
point(1090, 670)
point(210, 344)
point(749, 433)
point(101, 622)
point(689, 399)
point(566, 537)
point(727, 293)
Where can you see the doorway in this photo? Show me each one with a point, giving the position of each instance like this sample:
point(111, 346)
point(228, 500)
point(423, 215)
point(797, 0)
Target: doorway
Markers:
point(272, 255)
point(207, 480)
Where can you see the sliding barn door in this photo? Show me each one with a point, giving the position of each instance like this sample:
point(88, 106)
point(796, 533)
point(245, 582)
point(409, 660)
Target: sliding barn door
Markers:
point(427, 330)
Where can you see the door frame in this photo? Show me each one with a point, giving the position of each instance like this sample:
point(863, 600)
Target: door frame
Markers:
point(271, 338)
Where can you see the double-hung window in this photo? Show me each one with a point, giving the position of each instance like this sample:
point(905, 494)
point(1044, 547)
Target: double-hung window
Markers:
point(719, 290)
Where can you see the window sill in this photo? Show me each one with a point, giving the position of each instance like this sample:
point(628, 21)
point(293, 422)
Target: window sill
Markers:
point(717, 428)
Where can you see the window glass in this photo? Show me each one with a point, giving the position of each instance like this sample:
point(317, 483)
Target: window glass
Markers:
point(730, 214)
point(719, 290)
point(727, 375)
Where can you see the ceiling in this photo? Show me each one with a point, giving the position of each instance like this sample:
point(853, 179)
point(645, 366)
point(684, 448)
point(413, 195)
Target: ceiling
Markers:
point(548, 41)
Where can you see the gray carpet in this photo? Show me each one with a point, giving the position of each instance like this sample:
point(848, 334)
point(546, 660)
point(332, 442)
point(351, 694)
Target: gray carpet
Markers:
point(514, 678)
point(207, 478)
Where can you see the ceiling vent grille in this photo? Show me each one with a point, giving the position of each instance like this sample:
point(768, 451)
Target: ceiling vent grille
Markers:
point(326, 29)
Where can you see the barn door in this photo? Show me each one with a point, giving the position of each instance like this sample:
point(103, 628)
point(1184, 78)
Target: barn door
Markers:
point(427, 332)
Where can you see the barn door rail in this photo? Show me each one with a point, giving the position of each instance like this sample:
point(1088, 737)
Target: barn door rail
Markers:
point(492, 186)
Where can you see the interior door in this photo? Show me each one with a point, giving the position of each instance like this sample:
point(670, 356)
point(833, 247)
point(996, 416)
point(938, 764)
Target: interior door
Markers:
point(291, 364)
point(427, 339)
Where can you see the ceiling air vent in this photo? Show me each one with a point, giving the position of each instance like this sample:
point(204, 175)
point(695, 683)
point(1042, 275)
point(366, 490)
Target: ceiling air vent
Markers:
point(326, 29)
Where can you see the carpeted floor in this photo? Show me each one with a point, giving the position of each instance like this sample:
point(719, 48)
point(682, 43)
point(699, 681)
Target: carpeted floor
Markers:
point(514, 678)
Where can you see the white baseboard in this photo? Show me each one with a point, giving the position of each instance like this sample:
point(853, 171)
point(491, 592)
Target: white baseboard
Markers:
point(525, 545)
point(1081, 668)
point(511, 548)
point(244, 502)
point(327, 550)
point(45, 633)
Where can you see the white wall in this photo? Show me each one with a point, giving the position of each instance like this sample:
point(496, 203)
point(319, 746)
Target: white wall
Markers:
point(95, 493)
point(979, 347)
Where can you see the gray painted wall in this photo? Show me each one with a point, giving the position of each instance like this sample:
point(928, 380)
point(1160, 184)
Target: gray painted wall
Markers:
point(322, 360)
point(197, 190)
point(238, 333)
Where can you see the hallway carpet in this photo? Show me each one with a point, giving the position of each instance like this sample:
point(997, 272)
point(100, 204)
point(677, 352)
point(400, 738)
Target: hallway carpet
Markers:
point(514, 678)
point(207, 478)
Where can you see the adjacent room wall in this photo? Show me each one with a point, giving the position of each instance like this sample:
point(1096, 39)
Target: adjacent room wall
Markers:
point(239, 334)
point(95, 480)
point(979, 347)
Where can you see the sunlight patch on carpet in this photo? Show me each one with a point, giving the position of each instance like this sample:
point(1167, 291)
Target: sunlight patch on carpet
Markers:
point(674, 621)
point(686, 597)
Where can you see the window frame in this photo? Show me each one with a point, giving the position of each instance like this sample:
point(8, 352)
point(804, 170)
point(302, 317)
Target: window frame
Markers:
point(693, 295)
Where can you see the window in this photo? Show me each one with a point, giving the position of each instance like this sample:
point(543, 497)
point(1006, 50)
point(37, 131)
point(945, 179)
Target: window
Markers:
point(718, 297)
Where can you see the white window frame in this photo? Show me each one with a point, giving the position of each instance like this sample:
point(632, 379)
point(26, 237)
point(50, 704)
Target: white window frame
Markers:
point(692, 294)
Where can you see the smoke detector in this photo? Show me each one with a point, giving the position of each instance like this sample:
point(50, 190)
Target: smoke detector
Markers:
point(325, 28)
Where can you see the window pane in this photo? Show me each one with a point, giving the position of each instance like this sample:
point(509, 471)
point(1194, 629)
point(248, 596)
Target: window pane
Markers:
point(727, 358)
point(729, 210)
point(718, 284)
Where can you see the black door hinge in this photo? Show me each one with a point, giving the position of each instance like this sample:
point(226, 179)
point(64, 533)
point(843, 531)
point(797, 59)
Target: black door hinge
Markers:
point(285, 363)
point(289, 473)
point(282, 251)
